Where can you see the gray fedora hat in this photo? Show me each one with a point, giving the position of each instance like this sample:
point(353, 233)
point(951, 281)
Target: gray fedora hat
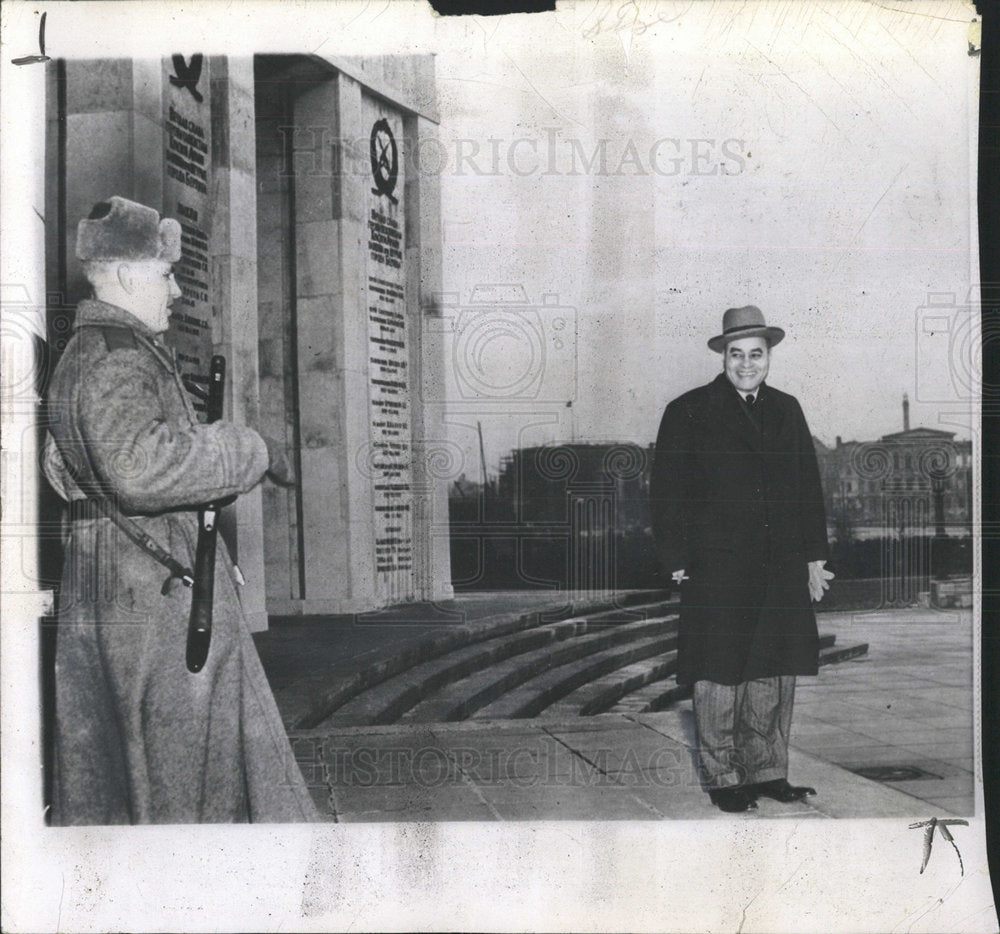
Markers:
point(747, 321)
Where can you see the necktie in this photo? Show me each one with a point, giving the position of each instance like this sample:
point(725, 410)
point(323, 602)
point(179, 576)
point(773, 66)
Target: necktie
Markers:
point(753, 410)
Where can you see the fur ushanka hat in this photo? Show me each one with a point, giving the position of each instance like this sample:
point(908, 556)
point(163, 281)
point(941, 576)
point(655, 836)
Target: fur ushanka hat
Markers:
point(119, 229)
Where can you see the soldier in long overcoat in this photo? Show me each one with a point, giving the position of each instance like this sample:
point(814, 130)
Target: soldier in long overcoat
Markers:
point(139, 738)
point(739, 522)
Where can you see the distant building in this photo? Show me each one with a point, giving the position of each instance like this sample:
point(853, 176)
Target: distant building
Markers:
point(917, 481)
point(603, 485)
point(569, 516)
point(576, 515)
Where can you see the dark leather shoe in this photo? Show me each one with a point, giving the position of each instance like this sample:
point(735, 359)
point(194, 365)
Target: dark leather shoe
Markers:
point(734, 800)
point(780, 790)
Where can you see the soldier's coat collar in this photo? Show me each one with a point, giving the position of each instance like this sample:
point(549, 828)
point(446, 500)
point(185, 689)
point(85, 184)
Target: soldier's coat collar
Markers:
point(731, 410)
point(92, 311)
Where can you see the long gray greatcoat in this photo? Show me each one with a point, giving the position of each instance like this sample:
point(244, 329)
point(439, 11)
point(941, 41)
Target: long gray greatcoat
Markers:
point(138, 738)
point(740, 509)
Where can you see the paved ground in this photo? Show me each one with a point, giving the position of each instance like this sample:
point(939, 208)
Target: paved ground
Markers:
point(907, 704)
point(633, 767)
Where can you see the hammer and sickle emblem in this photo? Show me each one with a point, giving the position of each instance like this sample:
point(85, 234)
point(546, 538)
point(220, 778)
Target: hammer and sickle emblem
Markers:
point(384, 159)
point(187, 76)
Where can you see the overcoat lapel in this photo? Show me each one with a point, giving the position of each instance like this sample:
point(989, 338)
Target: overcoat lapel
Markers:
point(772, 416)
point(733, 419)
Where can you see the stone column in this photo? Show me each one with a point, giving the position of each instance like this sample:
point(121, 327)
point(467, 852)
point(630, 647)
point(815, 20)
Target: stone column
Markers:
point(332, 350)
point(356, 368)
point(234, 288)
point(277, 359)
point(436, 461)
point(114, 143)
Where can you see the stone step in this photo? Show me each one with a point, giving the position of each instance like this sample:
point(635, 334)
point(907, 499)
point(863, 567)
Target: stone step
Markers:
point(657, 695)
point(842, 655)
point(387, 701)
point(538, 693)
point(391, 698)
point(631, 614)
point(460, 699)
point(334, 693)
point(601, 694)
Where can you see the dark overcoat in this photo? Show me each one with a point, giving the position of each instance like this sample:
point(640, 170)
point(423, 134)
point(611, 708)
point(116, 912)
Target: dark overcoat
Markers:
point(737, 504)
point(138, 738)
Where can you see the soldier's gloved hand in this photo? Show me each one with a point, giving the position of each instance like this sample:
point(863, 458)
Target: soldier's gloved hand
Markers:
point(279, 468)
point(818, 577)
point(679, 576)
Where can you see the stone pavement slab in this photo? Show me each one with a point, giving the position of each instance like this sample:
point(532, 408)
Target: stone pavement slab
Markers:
point(910, 701)
point(605, 768)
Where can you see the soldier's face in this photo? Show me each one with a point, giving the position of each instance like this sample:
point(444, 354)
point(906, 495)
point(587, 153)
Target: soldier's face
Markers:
point(747, 361)
point(153, 289)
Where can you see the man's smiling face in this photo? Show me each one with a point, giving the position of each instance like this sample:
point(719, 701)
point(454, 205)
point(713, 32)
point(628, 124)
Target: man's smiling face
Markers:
point(746, 362)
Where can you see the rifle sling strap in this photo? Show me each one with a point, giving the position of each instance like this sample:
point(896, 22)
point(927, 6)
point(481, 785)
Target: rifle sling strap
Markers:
point(96, 507)
point(83, 475)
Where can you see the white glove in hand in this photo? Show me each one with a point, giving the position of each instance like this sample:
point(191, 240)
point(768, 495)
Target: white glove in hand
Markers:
point(818, 578)
point(679, 576)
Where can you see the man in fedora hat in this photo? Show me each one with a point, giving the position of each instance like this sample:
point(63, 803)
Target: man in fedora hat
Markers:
point(739, 523)
point(137, 737)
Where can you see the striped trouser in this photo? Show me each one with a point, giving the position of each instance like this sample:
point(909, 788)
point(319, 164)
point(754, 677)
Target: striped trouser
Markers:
point(742, 730)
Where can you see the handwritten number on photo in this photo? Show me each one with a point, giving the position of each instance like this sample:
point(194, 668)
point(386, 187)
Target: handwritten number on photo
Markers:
point(41, 57)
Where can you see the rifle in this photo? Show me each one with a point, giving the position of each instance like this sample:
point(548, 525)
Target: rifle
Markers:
point(199, 635)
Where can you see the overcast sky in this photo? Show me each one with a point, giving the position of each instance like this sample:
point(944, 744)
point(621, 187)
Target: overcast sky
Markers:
point(641, 167)
point(815, 160)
